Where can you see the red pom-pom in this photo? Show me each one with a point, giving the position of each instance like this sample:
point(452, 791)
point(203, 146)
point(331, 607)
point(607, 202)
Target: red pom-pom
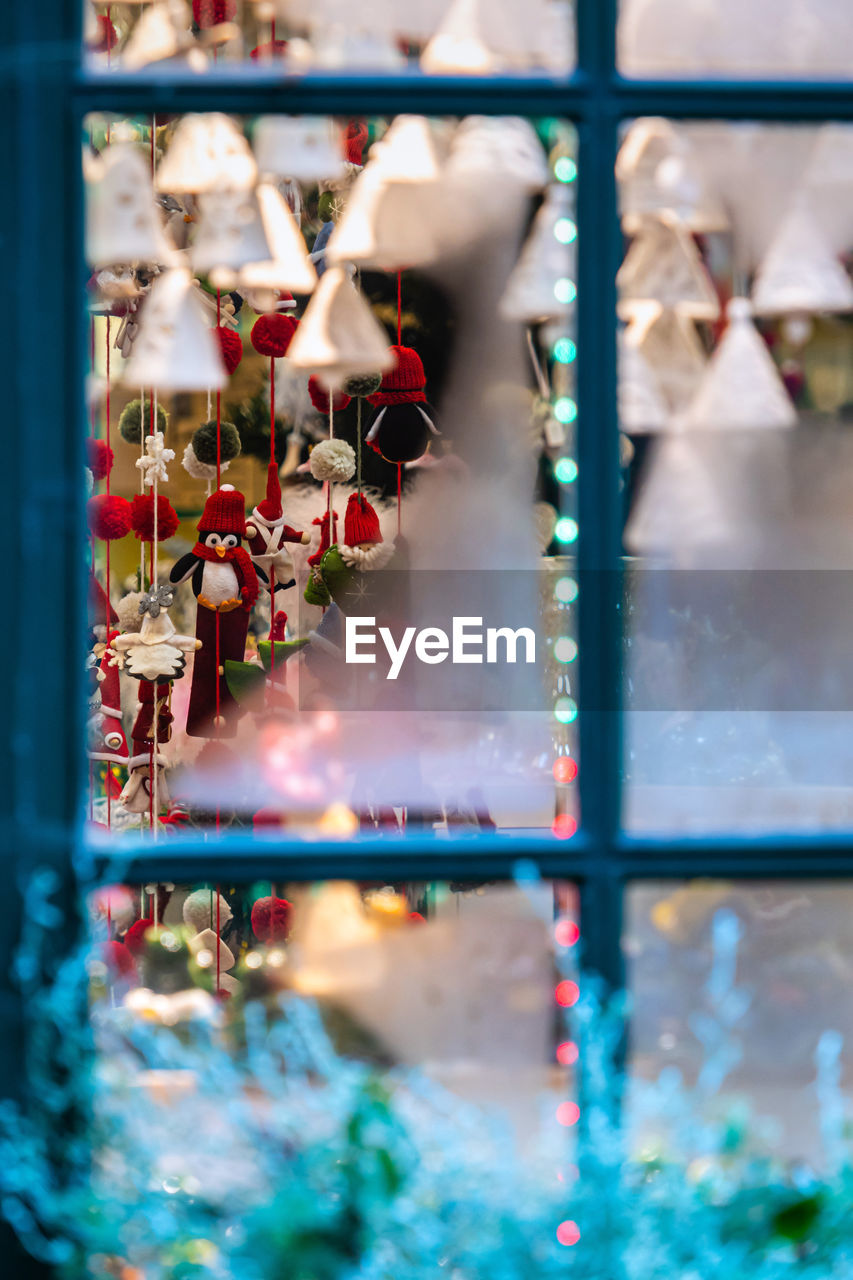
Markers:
point(279, 626)
point(415, 917)
point(107, 37)
point(207, 13)
point(320, 397)
point(271, 919)
point(356, 140)
point(271, 49)
point(273, 334)
point(118, 960)
point(134, 939)
point(108, 516)
point(142, 517)
point(231, 347)
point(99, 458)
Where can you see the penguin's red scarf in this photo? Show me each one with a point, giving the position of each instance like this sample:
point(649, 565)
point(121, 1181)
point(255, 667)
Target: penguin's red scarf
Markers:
point(243, 567)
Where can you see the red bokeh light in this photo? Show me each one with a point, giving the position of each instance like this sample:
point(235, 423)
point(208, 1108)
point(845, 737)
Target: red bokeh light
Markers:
point(567, 993)
point(566, 933)
point(568, 1232)
point(567, 1053)
point(565, 769)
point(564, 826)
point(568, 1113)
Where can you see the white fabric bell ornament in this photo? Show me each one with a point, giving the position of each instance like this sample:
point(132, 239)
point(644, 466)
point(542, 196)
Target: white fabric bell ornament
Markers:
point(741, 389)
point(339, 335)
point(163, 33)
point(641, 404)
point(207, 153)
point(670, 347)
point(174, 350)
point(122, 220)
point(489, 154)
point(663, 265)
point(657, 172)
point(829, 178)
point(541, 284)
point(461, 45)
point(800, 274)
point(250, 240)
point(288, 266)
point(680, 508)
point(307, 148)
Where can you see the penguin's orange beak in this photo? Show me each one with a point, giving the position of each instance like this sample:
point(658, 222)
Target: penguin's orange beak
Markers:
point(220, 551)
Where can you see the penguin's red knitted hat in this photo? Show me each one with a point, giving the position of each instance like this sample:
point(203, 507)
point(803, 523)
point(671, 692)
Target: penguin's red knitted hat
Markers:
point(224, 512)
point(405, 383)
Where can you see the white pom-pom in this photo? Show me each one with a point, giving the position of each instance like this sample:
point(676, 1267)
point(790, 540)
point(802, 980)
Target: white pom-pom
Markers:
point(332, 460)
point(200, 910)
point(128, 611)
point(200, 470)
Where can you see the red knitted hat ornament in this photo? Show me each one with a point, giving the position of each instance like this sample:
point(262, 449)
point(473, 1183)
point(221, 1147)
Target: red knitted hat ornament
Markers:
point(107, 37)
point(361, 523)
point(224, 512)
point(142, 517)
point(321, 399)
point(405, 383)
point(231, 347)
point(118, 960)
point(270, 507)
point(108, 516)
point(270, 49)
point(134, 939)
point(207, 13)
point(272, 334)
point(271, 919)
point(356, 141)
point(99, 458)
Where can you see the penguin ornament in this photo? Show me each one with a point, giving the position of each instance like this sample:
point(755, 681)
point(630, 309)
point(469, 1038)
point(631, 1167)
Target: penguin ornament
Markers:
point(225, 584)
point(401, 429)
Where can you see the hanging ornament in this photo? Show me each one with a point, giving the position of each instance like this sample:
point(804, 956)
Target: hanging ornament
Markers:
point(272, 335)
point(680, 508)
point(828, 178)
point(460, 44)
point(123, 223)
point(363, 546)
point(541, 284)
point(143, 522)
point(175, 350)
point(156, 651)
point(250, 240)
point(110, 743)
point(306, 148)
point(663, 265)
point(658, 173)
point(800, 273)
point(267, 533)
point(108, 516)
point(401, 429)
point(152, 464)
point(332, 461)
point(641, 404)
point(741, 389)
point(163, 33)
point(225, 585)
point(207, 153)
point(339, 335)
point(670, 346)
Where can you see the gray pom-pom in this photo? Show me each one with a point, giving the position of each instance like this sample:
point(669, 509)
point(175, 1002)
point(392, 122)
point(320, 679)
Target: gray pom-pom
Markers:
point(362, 384)
point(130, 422)
point(204, 443)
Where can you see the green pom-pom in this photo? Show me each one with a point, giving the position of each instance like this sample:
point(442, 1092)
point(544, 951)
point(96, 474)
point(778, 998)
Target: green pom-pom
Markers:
point(363, 384)
point(130, 424)
point(204, 443)
point(326, 206)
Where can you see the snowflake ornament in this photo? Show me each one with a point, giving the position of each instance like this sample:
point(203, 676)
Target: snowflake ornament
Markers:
point(153, 462)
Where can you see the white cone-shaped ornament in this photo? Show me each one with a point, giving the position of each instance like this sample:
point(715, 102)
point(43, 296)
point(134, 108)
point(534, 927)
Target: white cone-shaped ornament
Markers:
point(387, 225)
point(288, 265)
point(741, 389)
point(658, 172)
point(338, 335)
point(670, 346)
point(663, 265)
point(407, 151)
point(207, 153)
point(801, 274)
point(641, 405)
point(460, 45)
point(162, 32)
point(175, 349)
point(541, 284)
point(307, 148)
point(680, 507)
point(122, 221)
point(250, 240)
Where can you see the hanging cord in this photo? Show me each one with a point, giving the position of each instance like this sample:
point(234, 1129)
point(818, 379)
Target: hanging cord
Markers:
point(399, 308)
point(541, 380)
point(155, 573)
point(357, 444)
point(271, 569)
point(109, 776)
point(218, 402)
point(399, 495)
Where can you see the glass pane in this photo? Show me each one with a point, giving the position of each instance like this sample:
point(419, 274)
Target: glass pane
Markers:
point(735, 299)
point(741, 1017)
point(754, 38)
point(387, 1078)
point(292, 37)
point(418, 668)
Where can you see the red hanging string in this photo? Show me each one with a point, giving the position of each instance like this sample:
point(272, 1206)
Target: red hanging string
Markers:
point(272, 571)
point(108, 434)
point(218, 402)
point(399, 493)
point(399, 308)
point(151, 767)
point(107, 591)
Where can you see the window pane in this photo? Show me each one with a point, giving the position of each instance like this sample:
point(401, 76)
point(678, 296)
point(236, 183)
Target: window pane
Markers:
point(757, 38)
point(418, 669)
point(735, 298)
point(740, 1007)
point(389, 1068)
point(292, 37)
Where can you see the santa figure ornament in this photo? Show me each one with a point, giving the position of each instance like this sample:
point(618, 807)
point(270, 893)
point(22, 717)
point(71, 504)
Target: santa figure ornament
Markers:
point(225, 584)
point(267, 534)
